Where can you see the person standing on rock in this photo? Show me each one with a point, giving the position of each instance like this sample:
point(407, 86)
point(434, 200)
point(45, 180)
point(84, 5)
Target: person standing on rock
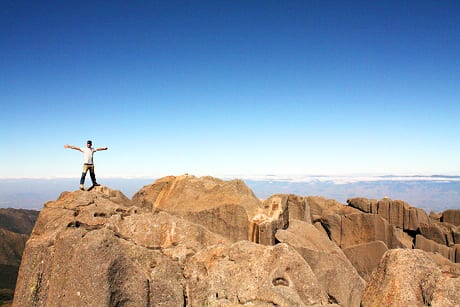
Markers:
point(88, 153)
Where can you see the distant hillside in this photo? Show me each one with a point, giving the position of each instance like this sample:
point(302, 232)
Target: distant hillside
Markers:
point(18, 220)
point(15, 228)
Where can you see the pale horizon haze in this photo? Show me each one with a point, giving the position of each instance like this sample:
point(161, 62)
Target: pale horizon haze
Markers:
point(230, 87)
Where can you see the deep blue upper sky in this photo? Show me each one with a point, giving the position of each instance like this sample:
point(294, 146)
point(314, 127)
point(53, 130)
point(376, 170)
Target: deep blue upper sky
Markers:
point(230, 87)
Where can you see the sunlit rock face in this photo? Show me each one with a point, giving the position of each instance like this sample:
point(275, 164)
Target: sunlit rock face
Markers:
point(188, 241)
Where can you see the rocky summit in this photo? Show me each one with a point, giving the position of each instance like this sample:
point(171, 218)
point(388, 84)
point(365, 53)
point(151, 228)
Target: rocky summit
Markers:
point(188, 241)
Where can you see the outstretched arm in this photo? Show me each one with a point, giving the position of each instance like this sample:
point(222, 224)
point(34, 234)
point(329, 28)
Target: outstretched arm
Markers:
point(101, 148)
point(72, 147)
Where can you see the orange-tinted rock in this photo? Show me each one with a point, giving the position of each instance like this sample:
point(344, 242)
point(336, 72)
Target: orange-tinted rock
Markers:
point(397, 212)
point(431, 246)
point(279, 210)
point(410, 278)
point(451, 216)
point(224, 207)
point(334, 271)
point(95, 249)
point(438, 232)
point(366, 257)
point(357, 228)
point(251, 274)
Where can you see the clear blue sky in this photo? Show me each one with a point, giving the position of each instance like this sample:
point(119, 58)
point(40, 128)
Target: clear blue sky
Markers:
point(230, 87)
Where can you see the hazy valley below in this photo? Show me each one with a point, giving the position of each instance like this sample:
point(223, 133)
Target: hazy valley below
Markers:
point(431, 193)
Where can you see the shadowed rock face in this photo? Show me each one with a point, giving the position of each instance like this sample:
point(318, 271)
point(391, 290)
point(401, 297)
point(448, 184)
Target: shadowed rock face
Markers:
point(451, 217)
point(436, 234)
point(279, 211)
point(357, 228)
point(183, 241)
point(398, 213)
point(366, 257)
point(334, 271)
point(15, 228)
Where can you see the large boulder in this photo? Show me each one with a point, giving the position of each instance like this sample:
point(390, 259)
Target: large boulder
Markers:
point(435, 217)
point(187, 193)
point(279, 210)
point(175, 237)
point(456, 235)
point(365, 257)
point(454, 254)
point(441, 233)
point(251, 274)
point(410, 278)
point(224, 207)
point(451, 216)
point(446, 266)
point(95, 249)
point(318, 204)
point(357, 228)
point(431, 246)
point(97, 268)
point(364, 204)
point(334, 271)
point(397, 212)
point(287, 206)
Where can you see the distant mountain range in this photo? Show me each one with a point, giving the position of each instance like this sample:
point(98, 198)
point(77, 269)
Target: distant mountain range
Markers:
point(431, 193)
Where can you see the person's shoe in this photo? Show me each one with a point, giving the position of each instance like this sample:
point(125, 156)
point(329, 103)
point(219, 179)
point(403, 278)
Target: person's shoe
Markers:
point(82, 187)
point(96, 185)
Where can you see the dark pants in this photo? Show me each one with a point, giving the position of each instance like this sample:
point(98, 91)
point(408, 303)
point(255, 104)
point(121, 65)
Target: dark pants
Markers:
point(87, 167)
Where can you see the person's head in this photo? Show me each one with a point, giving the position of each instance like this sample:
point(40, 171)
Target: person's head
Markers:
point(89, 143)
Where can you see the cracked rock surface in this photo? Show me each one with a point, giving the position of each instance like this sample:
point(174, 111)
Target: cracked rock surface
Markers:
point(96, 249)
point(183, 241)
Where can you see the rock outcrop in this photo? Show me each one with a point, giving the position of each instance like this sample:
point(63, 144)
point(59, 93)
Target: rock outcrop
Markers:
point(278, 211)
point(330, 265)
point(410, 278)
point(97, 249)
point(366, 257)
point(441, 233)
point(397, 212)
point(246, 273)
point(187, 241)
point(224, 207)
point(451, 217)
point(436, 233)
